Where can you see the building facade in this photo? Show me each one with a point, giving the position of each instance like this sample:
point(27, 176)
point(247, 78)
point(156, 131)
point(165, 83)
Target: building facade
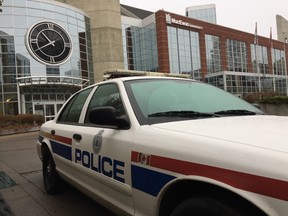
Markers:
point(45, 56)
point(236, 61)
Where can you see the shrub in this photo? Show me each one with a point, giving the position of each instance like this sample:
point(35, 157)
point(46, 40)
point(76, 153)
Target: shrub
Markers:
point(10, 121)
point(275, 100)
point(263, 97)
point(251, 97)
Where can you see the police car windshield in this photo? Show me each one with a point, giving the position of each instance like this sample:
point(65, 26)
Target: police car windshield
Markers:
point(150, 96)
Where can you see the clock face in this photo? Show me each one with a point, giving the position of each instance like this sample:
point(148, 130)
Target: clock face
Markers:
point(49, 43)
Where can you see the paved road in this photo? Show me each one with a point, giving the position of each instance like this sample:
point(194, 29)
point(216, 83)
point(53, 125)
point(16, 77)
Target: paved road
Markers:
point(19, 160)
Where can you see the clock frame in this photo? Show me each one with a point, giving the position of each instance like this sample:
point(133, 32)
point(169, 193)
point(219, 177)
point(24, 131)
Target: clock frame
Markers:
point(49, 43)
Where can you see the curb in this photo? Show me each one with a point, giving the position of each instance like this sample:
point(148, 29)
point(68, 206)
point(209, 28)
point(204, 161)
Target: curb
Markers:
point(18, 131)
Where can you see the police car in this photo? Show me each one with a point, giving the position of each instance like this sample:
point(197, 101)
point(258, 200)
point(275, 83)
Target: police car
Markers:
point(167, 146)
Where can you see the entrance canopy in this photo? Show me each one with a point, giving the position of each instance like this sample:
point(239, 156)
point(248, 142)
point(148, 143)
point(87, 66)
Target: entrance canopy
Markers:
point(51, 84)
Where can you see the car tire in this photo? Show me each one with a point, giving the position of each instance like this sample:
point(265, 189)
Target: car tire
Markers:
point(203, 206)
point(52, 181)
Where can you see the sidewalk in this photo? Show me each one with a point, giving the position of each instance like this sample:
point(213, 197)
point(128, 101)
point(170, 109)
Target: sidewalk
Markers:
point(19, 161)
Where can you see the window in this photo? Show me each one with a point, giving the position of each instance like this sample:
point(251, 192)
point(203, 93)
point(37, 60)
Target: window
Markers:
point(278, 61)
point(236, 55)
point(140, 47)
point(213, 54)
point(184, 52)
point(106, 95)
point(259, 56)
point(72, 110)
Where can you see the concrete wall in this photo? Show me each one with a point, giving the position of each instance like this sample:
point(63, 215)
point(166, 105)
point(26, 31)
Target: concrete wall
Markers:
point(106, 30)
point(272, 109)
point(282, 28)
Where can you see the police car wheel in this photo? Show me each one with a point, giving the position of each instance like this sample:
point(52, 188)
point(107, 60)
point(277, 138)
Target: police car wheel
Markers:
point(51, 178)
point(204, 207)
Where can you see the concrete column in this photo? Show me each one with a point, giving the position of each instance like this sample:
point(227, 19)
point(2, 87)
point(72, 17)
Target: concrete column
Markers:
point(106, 30)
point(282, 27)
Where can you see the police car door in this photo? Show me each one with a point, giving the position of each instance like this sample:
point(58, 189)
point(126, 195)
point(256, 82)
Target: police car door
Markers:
point(62, 133)
point(103, 153)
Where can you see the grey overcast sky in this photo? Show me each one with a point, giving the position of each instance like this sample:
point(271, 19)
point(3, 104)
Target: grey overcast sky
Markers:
point(236, 14)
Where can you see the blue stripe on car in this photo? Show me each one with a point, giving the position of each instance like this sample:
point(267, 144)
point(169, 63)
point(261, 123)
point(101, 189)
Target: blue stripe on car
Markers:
point(149, 181)
point(61, 150)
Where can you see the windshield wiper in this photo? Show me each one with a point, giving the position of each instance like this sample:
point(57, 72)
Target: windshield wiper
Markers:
point(182, 114)
point(235, 112)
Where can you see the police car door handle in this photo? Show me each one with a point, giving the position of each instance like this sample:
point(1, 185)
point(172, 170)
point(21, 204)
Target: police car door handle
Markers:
point(52, 132)
point(77, 137)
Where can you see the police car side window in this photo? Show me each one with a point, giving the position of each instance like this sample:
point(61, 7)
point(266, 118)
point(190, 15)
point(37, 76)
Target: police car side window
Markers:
point(72, 110)
point(106, 95)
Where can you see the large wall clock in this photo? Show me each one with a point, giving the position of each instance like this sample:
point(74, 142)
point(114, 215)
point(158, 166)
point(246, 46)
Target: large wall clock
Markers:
point(49, 43)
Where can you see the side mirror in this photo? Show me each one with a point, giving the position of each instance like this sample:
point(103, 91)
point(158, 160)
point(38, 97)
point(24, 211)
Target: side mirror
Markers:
point(106, 115)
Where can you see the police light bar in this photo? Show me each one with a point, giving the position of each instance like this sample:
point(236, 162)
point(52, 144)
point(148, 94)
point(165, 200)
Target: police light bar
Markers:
point(116, 73)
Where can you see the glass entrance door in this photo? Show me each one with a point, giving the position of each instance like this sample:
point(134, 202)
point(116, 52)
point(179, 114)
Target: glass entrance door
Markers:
point(39, 109)
point(48, 110)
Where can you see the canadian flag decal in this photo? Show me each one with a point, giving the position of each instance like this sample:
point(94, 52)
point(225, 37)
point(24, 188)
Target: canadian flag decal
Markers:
point(144, 159)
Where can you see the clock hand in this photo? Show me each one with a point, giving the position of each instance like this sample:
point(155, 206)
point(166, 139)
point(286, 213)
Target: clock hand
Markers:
point(47, 39)
point(48, 44)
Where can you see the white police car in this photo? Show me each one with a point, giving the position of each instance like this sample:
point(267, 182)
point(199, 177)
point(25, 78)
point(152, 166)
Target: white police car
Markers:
point(168, 146)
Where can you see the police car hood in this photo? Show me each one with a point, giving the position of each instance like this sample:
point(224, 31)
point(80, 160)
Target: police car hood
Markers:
point(270, 132)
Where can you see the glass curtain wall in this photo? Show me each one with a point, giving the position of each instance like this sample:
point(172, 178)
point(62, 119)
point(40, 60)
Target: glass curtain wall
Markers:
point(204, 14)
point(140, 48)
point(262, 59)
point(259, 58)
point(278, 62)
point(127, 47)
point(213, 54)
point(216, 81)
point(236, 55)
point(241, 85)
point(184, 52)
point(8, 74)
point(16, 62)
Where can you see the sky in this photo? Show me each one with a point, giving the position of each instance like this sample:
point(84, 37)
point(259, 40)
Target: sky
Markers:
point(237, 14)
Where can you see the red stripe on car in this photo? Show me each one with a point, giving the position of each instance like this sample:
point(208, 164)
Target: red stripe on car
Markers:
point(249, 182)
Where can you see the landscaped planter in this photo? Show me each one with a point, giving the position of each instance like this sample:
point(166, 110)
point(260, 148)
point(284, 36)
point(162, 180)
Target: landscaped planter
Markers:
point(274, 109)
point(22, 123)
point(10, 131)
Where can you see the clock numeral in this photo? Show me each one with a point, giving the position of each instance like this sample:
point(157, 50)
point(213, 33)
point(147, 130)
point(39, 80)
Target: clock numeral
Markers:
point(68, 45)
point(52, 59)
point(50, 26)
point(33, 40)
